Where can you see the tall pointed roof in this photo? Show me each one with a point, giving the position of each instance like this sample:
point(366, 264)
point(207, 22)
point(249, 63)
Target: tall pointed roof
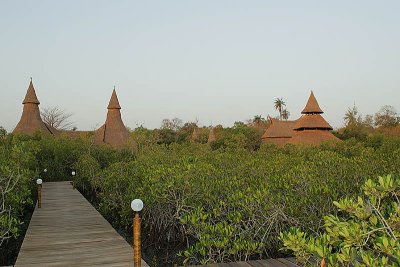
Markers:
point(212, 136)
point(312, 106)
point(114, 103)
point(195, 135)
point(113, 131)
point(31, 120)
point(30, 96)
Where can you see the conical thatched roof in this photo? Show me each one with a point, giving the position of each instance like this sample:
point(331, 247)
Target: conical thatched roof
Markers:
point(114, 103)
point(195, 135)
point(113, 131)
point(31, 121)
point(312, 106)
point(30, 96)
point(212, 136)
point(314, 121)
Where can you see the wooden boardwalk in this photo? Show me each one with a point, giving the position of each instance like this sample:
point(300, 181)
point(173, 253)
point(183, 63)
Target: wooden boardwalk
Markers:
point(68, 231)
point(287, 262)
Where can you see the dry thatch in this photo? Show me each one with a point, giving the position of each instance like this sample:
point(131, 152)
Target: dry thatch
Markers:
point(312, 137)
point(113, 131)
point(31, 121)
point(314, 121)
point(279, 128)
point(212, 136)
point(312, 106)
point(195, 135)
point(279, 132)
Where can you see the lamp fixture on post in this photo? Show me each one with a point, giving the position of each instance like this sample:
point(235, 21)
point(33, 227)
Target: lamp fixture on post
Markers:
point(137, 206)
point(39, 183)
point(73, 179)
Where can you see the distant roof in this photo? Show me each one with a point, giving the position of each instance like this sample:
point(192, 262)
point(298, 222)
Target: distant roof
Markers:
point(312, 106)
point(114, 103)
point(211, 135)
point(195, 134)
point(279, 129)
point(30, 96)
point(312, 121)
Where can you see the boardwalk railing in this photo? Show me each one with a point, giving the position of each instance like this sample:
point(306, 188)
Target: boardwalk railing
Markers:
point(68, 231)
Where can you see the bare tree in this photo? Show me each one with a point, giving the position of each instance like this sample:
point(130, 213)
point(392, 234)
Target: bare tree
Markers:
point(7, 184)
point(387, 116)
point(57, 118)
point(175, 124)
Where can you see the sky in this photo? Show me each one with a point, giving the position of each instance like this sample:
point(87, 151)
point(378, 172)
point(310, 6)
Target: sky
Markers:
point(214, 61)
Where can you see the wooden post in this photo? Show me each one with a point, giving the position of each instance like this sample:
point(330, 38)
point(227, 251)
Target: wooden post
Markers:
point(323, 262)
point(39, 196)
point(137, 259)
point(73, 173)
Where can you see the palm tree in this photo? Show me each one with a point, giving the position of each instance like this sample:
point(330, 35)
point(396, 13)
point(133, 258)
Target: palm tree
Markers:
point(279, 104)
point(352, 117)
point(285, 114)
point(258, 120)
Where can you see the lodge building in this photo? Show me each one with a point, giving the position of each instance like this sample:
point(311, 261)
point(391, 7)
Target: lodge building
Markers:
point(310, 129)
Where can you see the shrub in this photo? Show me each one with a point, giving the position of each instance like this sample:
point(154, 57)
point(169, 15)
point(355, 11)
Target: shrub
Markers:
point(366, 234)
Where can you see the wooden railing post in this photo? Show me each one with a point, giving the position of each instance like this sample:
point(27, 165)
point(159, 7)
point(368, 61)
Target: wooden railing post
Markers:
point(137, 258)
point(73, 179)
point(39, 184)
point(136, 205)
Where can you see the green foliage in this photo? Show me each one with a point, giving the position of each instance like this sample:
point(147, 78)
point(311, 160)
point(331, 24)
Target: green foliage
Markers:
point(211, 204)
point(17, 161)
point(232, 203)
point(367, 233)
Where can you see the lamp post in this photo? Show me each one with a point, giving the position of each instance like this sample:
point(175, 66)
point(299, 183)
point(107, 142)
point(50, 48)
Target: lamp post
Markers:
point(136, 205)
point(39, 183)
point(73, 179)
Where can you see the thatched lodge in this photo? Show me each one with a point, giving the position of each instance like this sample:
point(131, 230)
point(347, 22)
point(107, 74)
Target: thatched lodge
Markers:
point(310, 129)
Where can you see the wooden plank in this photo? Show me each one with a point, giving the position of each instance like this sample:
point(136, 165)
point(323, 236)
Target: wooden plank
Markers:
point(292, 259)
point(287, 262)
point(240, 264)
point(255, 264)
point(271, 263)
point(68, 231)
point(278, 263)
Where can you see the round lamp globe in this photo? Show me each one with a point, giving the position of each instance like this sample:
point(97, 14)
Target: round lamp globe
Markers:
point(137, 205)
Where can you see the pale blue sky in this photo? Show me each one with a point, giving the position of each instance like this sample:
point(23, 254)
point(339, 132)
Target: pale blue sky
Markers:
point(217, 61)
